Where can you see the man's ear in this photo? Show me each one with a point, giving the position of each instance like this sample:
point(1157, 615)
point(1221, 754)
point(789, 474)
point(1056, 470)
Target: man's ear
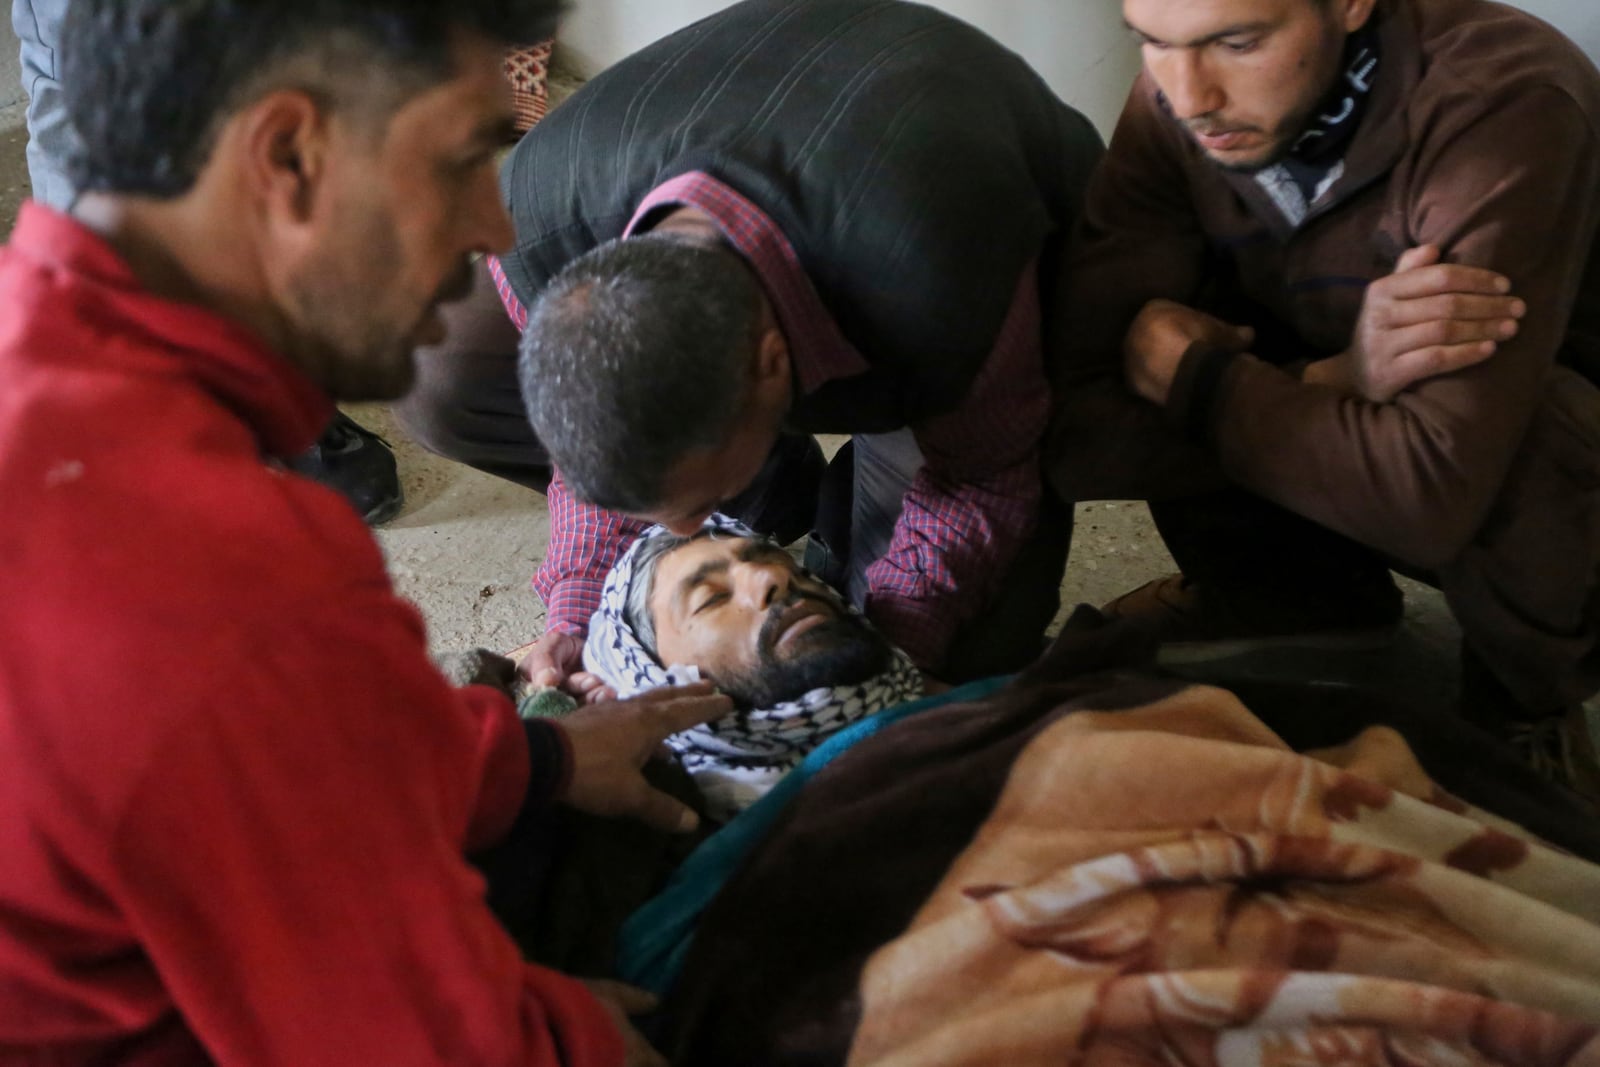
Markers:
point(284, 141)
point(1355, 13)
point(771, 376)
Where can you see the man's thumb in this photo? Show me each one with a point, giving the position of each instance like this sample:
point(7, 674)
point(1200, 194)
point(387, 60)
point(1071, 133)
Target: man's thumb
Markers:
point(662, 812)
point(1420, 256)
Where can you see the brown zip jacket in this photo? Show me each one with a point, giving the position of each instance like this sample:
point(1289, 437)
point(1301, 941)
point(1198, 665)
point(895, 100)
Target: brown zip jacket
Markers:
point(1482, 136)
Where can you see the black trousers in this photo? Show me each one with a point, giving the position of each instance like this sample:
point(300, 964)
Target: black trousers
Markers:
point(1268, 564)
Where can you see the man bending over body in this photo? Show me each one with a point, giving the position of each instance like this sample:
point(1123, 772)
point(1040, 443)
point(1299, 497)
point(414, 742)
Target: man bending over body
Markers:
point(725, 606)
point(846, 228)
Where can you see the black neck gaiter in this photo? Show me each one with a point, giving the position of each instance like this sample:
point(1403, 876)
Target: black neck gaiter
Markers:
point(1335, 121)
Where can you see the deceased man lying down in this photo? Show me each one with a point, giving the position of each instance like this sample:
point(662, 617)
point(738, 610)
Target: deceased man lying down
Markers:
point(736, 609)
point(1096, 864)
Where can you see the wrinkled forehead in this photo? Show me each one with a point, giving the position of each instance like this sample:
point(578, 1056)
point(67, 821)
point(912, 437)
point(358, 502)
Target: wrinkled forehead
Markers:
point(708, 552)
point(712, 556)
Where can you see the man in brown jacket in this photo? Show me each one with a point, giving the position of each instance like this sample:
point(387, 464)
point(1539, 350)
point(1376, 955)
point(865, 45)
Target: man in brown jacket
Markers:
point(1291, 326)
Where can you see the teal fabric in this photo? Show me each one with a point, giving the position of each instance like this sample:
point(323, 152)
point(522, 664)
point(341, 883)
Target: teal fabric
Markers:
point(656, 939)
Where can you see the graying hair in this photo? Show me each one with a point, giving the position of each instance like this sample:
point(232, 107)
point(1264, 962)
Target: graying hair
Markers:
point(636, 607)
point(638, 352)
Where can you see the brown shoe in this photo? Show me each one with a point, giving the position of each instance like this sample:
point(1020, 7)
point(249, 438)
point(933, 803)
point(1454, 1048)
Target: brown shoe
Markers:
point(1192, 628)
point(1561, 750)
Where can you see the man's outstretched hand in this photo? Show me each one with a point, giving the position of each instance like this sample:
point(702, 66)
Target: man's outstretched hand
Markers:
point(612, 741)
point(556, 661)
point(1426, 319)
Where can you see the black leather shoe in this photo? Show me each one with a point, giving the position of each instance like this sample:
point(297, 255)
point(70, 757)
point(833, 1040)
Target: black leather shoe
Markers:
point(358, 463)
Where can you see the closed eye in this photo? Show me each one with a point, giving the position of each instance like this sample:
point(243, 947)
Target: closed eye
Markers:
point(1238, 46)
point(709, 602)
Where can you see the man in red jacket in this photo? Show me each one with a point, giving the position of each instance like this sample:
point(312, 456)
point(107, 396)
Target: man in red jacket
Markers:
point(236, 795)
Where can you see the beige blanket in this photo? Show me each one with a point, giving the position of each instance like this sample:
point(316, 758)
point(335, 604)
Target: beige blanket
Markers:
point(1269, 909)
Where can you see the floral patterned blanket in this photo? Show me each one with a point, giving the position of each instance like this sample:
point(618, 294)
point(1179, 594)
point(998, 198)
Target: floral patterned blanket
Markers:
point(1104, 868)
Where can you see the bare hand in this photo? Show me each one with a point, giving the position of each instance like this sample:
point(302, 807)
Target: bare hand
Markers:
point(1160, 336)
point(1426, 319)
point(621, 1001)
point(612, 742)
point(556, 660)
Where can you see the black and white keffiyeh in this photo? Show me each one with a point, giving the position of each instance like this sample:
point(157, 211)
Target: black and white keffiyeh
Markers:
point(734, 760)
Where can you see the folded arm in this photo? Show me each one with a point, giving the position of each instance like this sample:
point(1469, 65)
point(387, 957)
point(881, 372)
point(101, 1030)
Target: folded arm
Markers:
point(1516, 193)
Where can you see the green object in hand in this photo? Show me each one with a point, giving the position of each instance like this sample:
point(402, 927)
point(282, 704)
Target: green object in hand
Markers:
point(546, 702)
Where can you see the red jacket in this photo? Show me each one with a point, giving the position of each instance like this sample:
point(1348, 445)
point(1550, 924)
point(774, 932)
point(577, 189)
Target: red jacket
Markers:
point(234, 792)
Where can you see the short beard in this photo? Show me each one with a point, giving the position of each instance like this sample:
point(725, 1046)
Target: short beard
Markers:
point(842, 651)
point(1274, 155)
point(1256, 166)
point(378, 370)
point(347, 344)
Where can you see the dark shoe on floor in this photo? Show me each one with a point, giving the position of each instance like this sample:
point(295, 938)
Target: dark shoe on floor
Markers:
point(1561, 750)
point(358, 463)
point(1192, 628)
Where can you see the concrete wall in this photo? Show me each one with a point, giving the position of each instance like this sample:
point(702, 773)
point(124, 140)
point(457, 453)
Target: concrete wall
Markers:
point(1079, 46)
point(1578, 19)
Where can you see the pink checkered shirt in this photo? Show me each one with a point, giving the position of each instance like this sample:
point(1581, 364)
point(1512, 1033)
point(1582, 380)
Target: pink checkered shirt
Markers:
point(966, 514)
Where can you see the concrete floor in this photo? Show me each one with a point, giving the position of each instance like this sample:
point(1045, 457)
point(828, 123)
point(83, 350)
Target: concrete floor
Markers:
point(13, 132)
point(466, 543)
